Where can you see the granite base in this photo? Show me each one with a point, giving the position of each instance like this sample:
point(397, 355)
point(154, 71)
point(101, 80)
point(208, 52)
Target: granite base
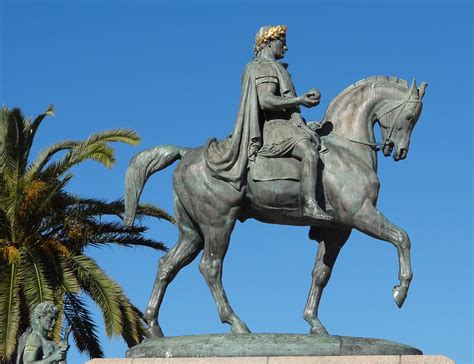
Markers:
point(353, 359)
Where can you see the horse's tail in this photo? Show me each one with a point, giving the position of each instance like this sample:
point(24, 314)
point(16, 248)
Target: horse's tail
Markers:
point(140, 168)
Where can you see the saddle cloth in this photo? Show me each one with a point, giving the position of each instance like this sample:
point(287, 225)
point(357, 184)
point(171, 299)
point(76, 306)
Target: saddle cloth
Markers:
point(283, 168)
point(272, 169)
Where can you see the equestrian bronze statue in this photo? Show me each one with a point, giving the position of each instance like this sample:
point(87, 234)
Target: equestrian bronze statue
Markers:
point(278, 169)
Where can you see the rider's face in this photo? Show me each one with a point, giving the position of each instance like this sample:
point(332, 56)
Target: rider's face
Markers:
point(279, 47)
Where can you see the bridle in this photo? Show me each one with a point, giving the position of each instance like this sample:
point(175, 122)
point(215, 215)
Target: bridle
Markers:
point(402, 105)
point(387, 141)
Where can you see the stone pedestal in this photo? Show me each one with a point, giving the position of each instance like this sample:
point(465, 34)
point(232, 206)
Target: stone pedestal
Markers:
point(272, 349)
point(354, 359)
point(265, 345)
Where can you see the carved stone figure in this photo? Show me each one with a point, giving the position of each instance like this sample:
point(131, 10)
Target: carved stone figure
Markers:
point(266, 179)
point(269, 100)
point(35, 345)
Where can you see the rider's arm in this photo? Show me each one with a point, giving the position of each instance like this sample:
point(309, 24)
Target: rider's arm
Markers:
point(269, 100)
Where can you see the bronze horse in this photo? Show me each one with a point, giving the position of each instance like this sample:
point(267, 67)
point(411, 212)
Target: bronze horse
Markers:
point(206, 208)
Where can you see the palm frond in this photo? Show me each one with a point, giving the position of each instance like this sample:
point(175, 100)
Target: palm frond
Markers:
point(101, 289)
point(9, 310)
point(114, 135)
point(37, 122)
point(8, 203)
point(33, 277)
point(133, 323)
point(99, 152)
point(129, 242)
point(94, 148)
point(59, 302)
point(13, 150)
point(93, 206)
point(29, 131)
point(154, 211)
point(45, 156)
point(69, 281)
point(124, 239)
point(3, 137)
point(84, 329)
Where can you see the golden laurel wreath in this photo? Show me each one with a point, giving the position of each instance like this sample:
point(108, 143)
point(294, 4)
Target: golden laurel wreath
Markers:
point(270, 34)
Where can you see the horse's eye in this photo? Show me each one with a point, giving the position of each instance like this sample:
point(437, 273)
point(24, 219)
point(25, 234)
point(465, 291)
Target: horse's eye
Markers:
point(409, 117)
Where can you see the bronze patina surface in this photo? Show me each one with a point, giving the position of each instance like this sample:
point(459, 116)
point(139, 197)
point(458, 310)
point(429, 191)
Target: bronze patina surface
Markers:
point(277, 168)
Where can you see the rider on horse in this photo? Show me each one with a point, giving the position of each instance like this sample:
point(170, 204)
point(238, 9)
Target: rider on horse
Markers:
point(269, 101)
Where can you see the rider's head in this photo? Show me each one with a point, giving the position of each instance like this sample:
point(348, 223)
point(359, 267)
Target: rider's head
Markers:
point(271, 38)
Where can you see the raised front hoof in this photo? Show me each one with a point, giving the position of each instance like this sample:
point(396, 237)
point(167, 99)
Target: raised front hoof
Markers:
point(399, 295)
point(240, 328)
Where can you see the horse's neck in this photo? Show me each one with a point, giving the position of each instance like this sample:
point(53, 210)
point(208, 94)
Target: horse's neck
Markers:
point(351, 119)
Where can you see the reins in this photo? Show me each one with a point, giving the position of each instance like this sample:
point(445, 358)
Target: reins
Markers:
point(375, 146)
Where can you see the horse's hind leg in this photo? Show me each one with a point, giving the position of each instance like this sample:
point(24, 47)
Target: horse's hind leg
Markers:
point(217, 239)
point(371, 221)
point(331, 242)
point(189, 244)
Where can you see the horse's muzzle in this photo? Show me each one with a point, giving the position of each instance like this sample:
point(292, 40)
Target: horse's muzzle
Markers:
point(400, 154)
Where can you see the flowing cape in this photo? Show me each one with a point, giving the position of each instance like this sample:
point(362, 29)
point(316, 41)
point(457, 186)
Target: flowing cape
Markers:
point(228, 159)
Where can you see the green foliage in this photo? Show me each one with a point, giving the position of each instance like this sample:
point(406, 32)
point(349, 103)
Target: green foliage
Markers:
point(44, 231)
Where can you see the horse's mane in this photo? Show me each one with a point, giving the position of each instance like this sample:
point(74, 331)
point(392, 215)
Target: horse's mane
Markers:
point(398, 82)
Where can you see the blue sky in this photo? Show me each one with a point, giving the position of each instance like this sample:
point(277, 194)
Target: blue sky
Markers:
point(171, 71)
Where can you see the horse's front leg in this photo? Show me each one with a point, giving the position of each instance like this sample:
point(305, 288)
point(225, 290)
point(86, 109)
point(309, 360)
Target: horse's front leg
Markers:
point(331, 242)
point(371, 221)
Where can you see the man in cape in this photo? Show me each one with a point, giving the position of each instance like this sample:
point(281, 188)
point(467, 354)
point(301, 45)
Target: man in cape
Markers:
point(269, 122)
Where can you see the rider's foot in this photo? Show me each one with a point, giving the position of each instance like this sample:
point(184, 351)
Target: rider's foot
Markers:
point(312, 210)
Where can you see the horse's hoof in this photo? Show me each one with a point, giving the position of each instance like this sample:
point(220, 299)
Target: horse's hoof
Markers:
point(154, 331)
point(319, 331)
point(399, 295)
point(240, 328)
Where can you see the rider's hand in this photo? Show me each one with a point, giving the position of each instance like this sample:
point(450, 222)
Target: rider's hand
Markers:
point(310, 99)
point(315, 94)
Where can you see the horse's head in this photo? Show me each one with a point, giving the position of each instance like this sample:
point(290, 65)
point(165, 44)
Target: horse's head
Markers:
point(397, 120)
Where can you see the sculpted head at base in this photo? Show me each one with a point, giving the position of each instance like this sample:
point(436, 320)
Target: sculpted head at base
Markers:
point(44, 317)
point(36, 344)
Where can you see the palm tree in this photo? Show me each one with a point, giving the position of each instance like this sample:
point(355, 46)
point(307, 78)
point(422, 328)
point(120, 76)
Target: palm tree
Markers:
point(44, 231)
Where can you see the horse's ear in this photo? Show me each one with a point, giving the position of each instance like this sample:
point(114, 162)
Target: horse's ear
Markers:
point(413, 89)
point(421, 89)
